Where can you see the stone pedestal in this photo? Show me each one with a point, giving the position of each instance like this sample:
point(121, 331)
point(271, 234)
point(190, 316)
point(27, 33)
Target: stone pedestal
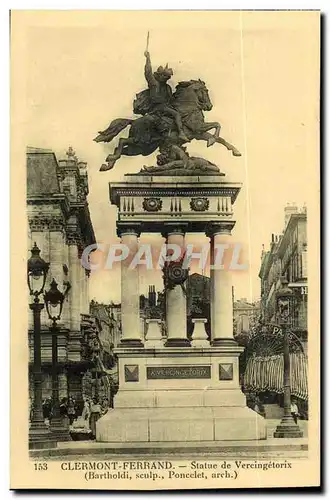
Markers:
point(178, 392)
point(199, 337)
point(154, 334)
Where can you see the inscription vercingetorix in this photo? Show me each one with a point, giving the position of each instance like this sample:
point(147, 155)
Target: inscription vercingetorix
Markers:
point(178, 372)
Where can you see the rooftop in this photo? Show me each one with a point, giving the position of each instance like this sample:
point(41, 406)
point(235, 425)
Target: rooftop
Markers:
point(41, 172)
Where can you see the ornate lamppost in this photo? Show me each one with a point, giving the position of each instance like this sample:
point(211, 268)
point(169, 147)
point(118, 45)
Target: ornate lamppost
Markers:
point(284, 302)
point(54, 299)
point(37, 269)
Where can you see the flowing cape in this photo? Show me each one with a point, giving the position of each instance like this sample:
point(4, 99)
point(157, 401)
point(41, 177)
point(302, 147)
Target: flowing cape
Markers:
point(114, 128)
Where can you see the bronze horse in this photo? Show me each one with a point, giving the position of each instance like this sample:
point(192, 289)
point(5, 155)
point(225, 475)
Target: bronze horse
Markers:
point(154, 130)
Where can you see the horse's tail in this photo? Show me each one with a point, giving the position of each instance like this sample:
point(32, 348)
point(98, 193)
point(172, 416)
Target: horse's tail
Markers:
point(114, 128)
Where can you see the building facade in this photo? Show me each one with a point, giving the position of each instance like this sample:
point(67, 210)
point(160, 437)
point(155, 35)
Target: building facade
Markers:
point(246, 314)
point(59, 223)
point(108, 317)
point(287, 257)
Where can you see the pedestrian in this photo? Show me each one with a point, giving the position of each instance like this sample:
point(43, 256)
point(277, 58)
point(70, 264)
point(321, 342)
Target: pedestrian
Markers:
point(95, 415)
point(64, 412)
point(86, 412)
point(79, 406)
point(294, 411)
point(105, 405)
point(63, 407)
point(47, 411)
point(257, 406)
point(71, 410)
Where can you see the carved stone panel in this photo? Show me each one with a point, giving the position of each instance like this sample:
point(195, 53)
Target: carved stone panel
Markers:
point(199, 204)
point(226, 371)
point(131, 373)
point(152, 204)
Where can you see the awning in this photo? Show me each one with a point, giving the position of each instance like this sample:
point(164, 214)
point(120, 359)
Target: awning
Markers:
point(265, 373)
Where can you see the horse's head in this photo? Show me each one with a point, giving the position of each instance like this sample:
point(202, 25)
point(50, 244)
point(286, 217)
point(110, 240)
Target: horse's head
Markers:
point(200, 91)
point(202, 94)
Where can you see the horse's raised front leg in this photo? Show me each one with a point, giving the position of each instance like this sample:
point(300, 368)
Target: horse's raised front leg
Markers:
point(112, 158)
point(209, 126)
point(206, 137)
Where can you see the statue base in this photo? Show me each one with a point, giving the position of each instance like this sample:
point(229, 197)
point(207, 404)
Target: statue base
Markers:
point(288, 429)
point(175, 394)
point(177, 171)
point(188, 424)
point(178, 392)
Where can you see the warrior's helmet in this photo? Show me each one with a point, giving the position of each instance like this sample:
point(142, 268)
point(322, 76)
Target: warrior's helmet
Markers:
point(163, 74)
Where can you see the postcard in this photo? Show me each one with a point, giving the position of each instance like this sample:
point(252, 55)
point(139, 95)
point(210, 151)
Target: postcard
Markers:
point(165, 249)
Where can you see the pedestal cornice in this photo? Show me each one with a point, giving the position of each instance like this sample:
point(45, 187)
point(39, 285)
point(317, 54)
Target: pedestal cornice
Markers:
point(191, 202)
point(168, 352)
point(173, 187)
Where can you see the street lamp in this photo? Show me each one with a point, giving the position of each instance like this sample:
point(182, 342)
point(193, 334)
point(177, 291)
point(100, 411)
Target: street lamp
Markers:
point(37, 270)
point(54, 299)
point(284, 302)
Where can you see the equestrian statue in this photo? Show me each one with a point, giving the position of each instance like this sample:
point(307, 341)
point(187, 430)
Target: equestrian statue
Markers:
point(168, 121)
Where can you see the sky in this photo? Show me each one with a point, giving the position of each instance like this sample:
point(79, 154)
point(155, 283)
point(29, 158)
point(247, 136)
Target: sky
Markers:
point(83, 70)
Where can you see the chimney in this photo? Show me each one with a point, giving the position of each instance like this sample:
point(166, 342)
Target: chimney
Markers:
point(152, 295)
point(291, 208)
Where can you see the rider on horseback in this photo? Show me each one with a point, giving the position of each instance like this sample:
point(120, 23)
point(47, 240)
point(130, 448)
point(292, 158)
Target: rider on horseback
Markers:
point(159, 96)
point(153, 130)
